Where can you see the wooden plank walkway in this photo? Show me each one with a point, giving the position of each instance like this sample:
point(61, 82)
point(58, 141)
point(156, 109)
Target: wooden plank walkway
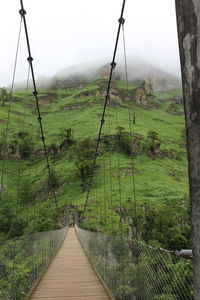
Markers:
point(70, 275)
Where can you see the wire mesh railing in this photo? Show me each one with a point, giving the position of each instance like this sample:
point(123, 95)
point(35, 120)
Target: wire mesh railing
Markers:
point(24, 259)
point(132, 270)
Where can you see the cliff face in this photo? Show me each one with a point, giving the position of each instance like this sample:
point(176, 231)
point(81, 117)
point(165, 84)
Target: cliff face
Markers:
point(140, 96)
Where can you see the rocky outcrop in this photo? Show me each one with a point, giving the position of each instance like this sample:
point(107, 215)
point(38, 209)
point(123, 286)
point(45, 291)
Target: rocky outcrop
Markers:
point(140, 97)
point(115, 93)
point(47, 99)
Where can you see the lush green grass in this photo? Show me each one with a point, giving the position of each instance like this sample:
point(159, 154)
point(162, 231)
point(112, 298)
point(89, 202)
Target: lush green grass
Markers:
point(169, 95)
point(158, 181)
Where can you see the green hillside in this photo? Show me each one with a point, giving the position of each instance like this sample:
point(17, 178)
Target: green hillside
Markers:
point(148, 135)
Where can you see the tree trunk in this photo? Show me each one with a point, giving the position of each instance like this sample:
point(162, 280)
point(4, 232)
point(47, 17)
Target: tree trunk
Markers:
point(188, 21)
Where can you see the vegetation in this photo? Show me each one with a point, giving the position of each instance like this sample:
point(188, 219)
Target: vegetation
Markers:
point(154, 145)
point(125, 265)
point(140, 185)
point(4, 96)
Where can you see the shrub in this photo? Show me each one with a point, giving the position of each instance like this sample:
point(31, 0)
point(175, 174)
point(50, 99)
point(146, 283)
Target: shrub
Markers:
point(83, 154)
point(26, 147)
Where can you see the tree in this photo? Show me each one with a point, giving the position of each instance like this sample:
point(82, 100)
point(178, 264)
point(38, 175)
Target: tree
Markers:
point(26, 147)
point(83, 155)
point(26, 194)
point(6, 217)
point(123, 141)
point(188, 21)
point(4, 95)
point(67, 139)
point(10, 226)
point(151, 144)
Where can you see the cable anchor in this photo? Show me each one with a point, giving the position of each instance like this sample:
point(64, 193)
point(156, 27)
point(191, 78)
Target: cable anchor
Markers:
point(22, 12)
point(30, 59)
point(121, 21)
point(113, 64)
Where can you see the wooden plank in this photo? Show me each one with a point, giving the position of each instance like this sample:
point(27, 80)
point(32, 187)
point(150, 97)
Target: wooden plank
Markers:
point(70, 275)
point(73, 298)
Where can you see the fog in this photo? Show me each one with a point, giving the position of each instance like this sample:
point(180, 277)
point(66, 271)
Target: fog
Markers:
point(65, 33)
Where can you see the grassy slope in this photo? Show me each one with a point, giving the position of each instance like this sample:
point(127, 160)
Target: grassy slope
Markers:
point(157, 180)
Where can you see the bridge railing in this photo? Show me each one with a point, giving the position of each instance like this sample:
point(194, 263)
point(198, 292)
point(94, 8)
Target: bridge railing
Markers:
point(132, 270)
point(23, 260)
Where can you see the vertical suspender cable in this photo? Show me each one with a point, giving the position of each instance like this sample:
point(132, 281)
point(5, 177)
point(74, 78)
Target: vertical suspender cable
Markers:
point(29, 172)
point(131, 134)
point(119, 172)
point(9, 110)
point(110, 173)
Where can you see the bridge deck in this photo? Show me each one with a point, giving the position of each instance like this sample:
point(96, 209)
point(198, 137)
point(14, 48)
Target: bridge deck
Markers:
point(70, 275)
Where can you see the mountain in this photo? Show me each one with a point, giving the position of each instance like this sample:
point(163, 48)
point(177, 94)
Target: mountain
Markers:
point(139, 126)
point(138, 71)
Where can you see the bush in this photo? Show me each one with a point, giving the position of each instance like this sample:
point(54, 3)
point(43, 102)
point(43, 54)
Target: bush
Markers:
point(26, 194)
point(151, 145)
point(83, 154)
point(123, 141)
point(67, 139)
point(4, 95)
point(26, 147)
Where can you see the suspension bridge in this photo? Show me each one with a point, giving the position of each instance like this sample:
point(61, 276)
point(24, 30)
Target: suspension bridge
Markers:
point(91, 255)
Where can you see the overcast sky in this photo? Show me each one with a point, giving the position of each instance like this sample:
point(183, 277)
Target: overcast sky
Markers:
point(64, 33)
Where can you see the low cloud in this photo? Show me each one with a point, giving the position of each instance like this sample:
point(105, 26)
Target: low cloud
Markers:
point(64, 33)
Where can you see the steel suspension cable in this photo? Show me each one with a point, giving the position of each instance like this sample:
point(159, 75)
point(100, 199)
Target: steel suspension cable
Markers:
point(9, 109)
point(17, 204)
point(110, 173)
point(35, 93)
point(107, 97)
point(130, 131)
point(104, 190)
point(29, 173)
point(20, 164)
point(104, 193)
point(119, 172)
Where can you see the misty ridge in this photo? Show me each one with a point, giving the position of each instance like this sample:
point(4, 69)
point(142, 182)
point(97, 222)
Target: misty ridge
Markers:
point(138, 72)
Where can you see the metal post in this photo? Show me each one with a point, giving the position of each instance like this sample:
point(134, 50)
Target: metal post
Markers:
point(188, 22)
